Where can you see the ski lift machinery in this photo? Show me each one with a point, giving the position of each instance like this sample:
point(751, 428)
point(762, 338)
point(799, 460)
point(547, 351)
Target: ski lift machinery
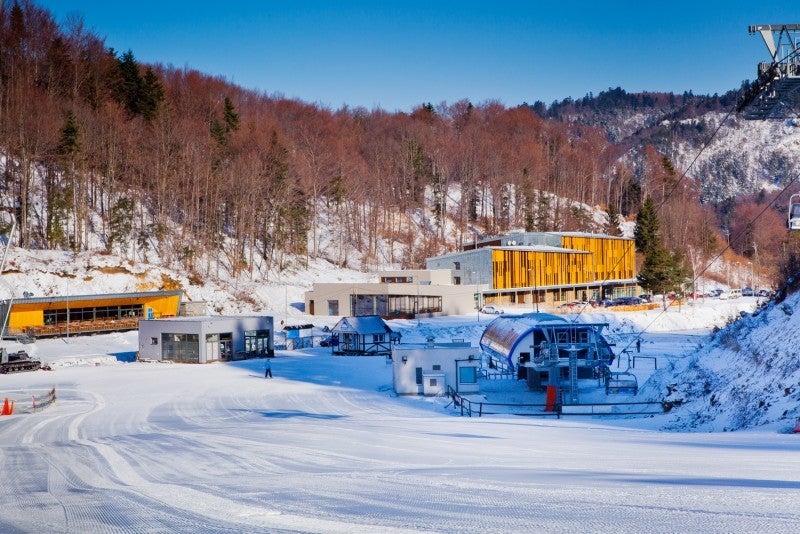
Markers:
point(775, 94)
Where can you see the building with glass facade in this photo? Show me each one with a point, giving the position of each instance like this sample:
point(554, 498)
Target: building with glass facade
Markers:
point(206, 339)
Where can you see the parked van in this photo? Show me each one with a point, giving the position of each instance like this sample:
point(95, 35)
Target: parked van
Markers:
point(730, 294)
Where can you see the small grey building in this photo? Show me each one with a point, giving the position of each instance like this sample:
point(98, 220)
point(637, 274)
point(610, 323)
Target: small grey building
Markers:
point(206, 339)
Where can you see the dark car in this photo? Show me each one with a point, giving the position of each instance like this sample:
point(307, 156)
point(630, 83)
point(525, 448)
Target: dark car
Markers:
point(748, 292)
point(326, 341)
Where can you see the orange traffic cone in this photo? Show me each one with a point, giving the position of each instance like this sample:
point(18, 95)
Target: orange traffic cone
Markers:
point(6, 408)
point(796, 429)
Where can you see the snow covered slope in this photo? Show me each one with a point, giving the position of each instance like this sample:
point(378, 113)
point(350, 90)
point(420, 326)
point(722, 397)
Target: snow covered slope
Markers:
point(748, 375)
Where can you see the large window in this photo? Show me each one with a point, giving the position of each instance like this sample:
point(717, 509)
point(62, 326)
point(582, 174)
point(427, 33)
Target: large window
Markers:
point(256, 342)
point(180, 347)
point(93, 313)
point(369, 305)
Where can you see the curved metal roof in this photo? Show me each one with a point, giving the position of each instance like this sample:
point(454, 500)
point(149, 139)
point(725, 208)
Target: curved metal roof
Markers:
point(503, 334)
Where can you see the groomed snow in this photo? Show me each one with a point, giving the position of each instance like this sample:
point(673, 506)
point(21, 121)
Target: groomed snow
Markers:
point(326, 446)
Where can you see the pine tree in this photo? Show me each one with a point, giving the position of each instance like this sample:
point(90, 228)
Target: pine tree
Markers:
point(662, 271)
point(646, 233)
point(140, 95)
point(230, 116)
point(120, 224)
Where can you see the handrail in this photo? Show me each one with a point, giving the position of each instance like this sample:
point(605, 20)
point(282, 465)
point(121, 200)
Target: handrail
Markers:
point(599, 409)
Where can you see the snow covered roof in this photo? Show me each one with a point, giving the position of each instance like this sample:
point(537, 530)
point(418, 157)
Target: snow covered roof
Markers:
point(104, 296)
point(365, 324)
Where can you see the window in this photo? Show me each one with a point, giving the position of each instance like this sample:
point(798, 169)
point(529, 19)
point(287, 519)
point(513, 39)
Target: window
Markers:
point(256, 342)
point(378, 338)
point(154, 341)
point(437, 367)
point(433, 382)
point(180, 347)
point(333, 307)
point(468, 375)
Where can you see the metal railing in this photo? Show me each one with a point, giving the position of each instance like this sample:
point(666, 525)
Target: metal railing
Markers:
point(472, 408)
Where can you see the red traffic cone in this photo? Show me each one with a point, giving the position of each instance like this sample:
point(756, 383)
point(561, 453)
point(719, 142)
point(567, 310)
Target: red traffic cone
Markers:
point(796, 429)
point(6, 408)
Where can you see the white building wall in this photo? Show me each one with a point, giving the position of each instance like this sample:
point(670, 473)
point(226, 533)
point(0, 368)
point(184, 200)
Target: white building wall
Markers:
point(450, 357)
point(150, 331)
point(456, 300)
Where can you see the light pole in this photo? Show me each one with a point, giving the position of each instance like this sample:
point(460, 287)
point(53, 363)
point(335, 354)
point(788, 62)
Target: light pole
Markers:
point(477, 295)
point(416, 304)
point(534, 290)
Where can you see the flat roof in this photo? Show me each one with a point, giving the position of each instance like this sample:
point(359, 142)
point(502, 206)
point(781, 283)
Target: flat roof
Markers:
point(206, 318)
point(102, 296)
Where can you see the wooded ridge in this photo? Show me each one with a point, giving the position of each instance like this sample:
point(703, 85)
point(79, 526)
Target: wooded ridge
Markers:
point(100, 151)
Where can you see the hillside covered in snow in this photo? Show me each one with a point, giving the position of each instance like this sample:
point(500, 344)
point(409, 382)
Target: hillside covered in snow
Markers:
point(745, 375)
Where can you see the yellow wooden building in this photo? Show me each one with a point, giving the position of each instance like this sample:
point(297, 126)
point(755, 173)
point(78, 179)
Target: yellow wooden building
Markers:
point(77, 314)
point(545, 267)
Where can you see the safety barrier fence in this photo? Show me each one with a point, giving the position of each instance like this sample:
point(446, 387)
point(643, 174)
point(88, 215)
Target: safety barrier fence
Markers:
point(34, 403)
point(470, 408)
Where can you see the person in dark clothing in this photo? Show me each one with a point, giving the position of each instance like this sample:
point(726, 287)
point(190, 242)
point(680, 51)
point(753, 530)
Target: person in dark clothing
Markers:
point(638, 345)
point(268, 372)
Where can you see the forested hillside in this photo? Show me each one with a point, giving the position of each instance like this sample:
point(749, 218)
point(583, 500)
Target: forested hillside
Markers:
point(100, 152)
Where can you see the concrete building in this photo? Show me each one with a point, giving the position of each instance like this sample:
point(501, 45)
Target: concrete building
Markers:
point(397, 295)
point(522, 269)
point(429, 368)
point(206, 339)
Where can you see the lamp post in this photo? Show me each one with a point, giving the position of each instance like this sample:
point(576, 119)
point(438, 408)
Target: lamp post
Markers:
point(534, 290)
point(416, 304)
point(477, 295)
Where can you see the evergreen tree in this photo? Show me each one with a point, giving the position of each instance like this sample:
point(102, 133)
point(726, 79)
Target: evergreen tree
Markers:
point(69, 144)
point(150, 96)
point(646, 233)
point(527, 200)
point(140, 95)
point(230, 116)
point(120, 223)
point(662, 272)
point(59, 193)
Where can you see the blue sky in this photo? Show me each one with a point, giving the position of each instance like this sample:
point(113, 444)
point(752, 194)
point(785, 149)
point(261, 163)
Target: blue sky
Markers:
point(399, 54)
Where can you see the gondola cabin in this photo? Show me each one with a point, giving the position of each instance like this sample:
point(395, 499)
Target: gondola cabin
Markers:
point(793, 222)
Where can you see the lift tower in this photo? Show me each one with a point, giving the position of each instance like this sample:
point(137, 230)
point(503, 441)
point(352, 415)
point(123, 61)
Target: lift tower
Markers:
point(775, 94)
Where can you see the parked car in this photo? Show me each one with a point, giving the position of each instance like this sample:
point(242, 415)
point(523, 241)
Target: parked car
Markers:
point(626, 301)
point(492, 310)
point(748, 292)
point(326, 341)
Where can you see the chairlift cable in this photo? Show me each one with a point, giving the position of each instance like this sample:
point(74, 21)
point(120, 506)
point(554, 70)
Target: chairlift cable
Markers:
point(671, 191)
